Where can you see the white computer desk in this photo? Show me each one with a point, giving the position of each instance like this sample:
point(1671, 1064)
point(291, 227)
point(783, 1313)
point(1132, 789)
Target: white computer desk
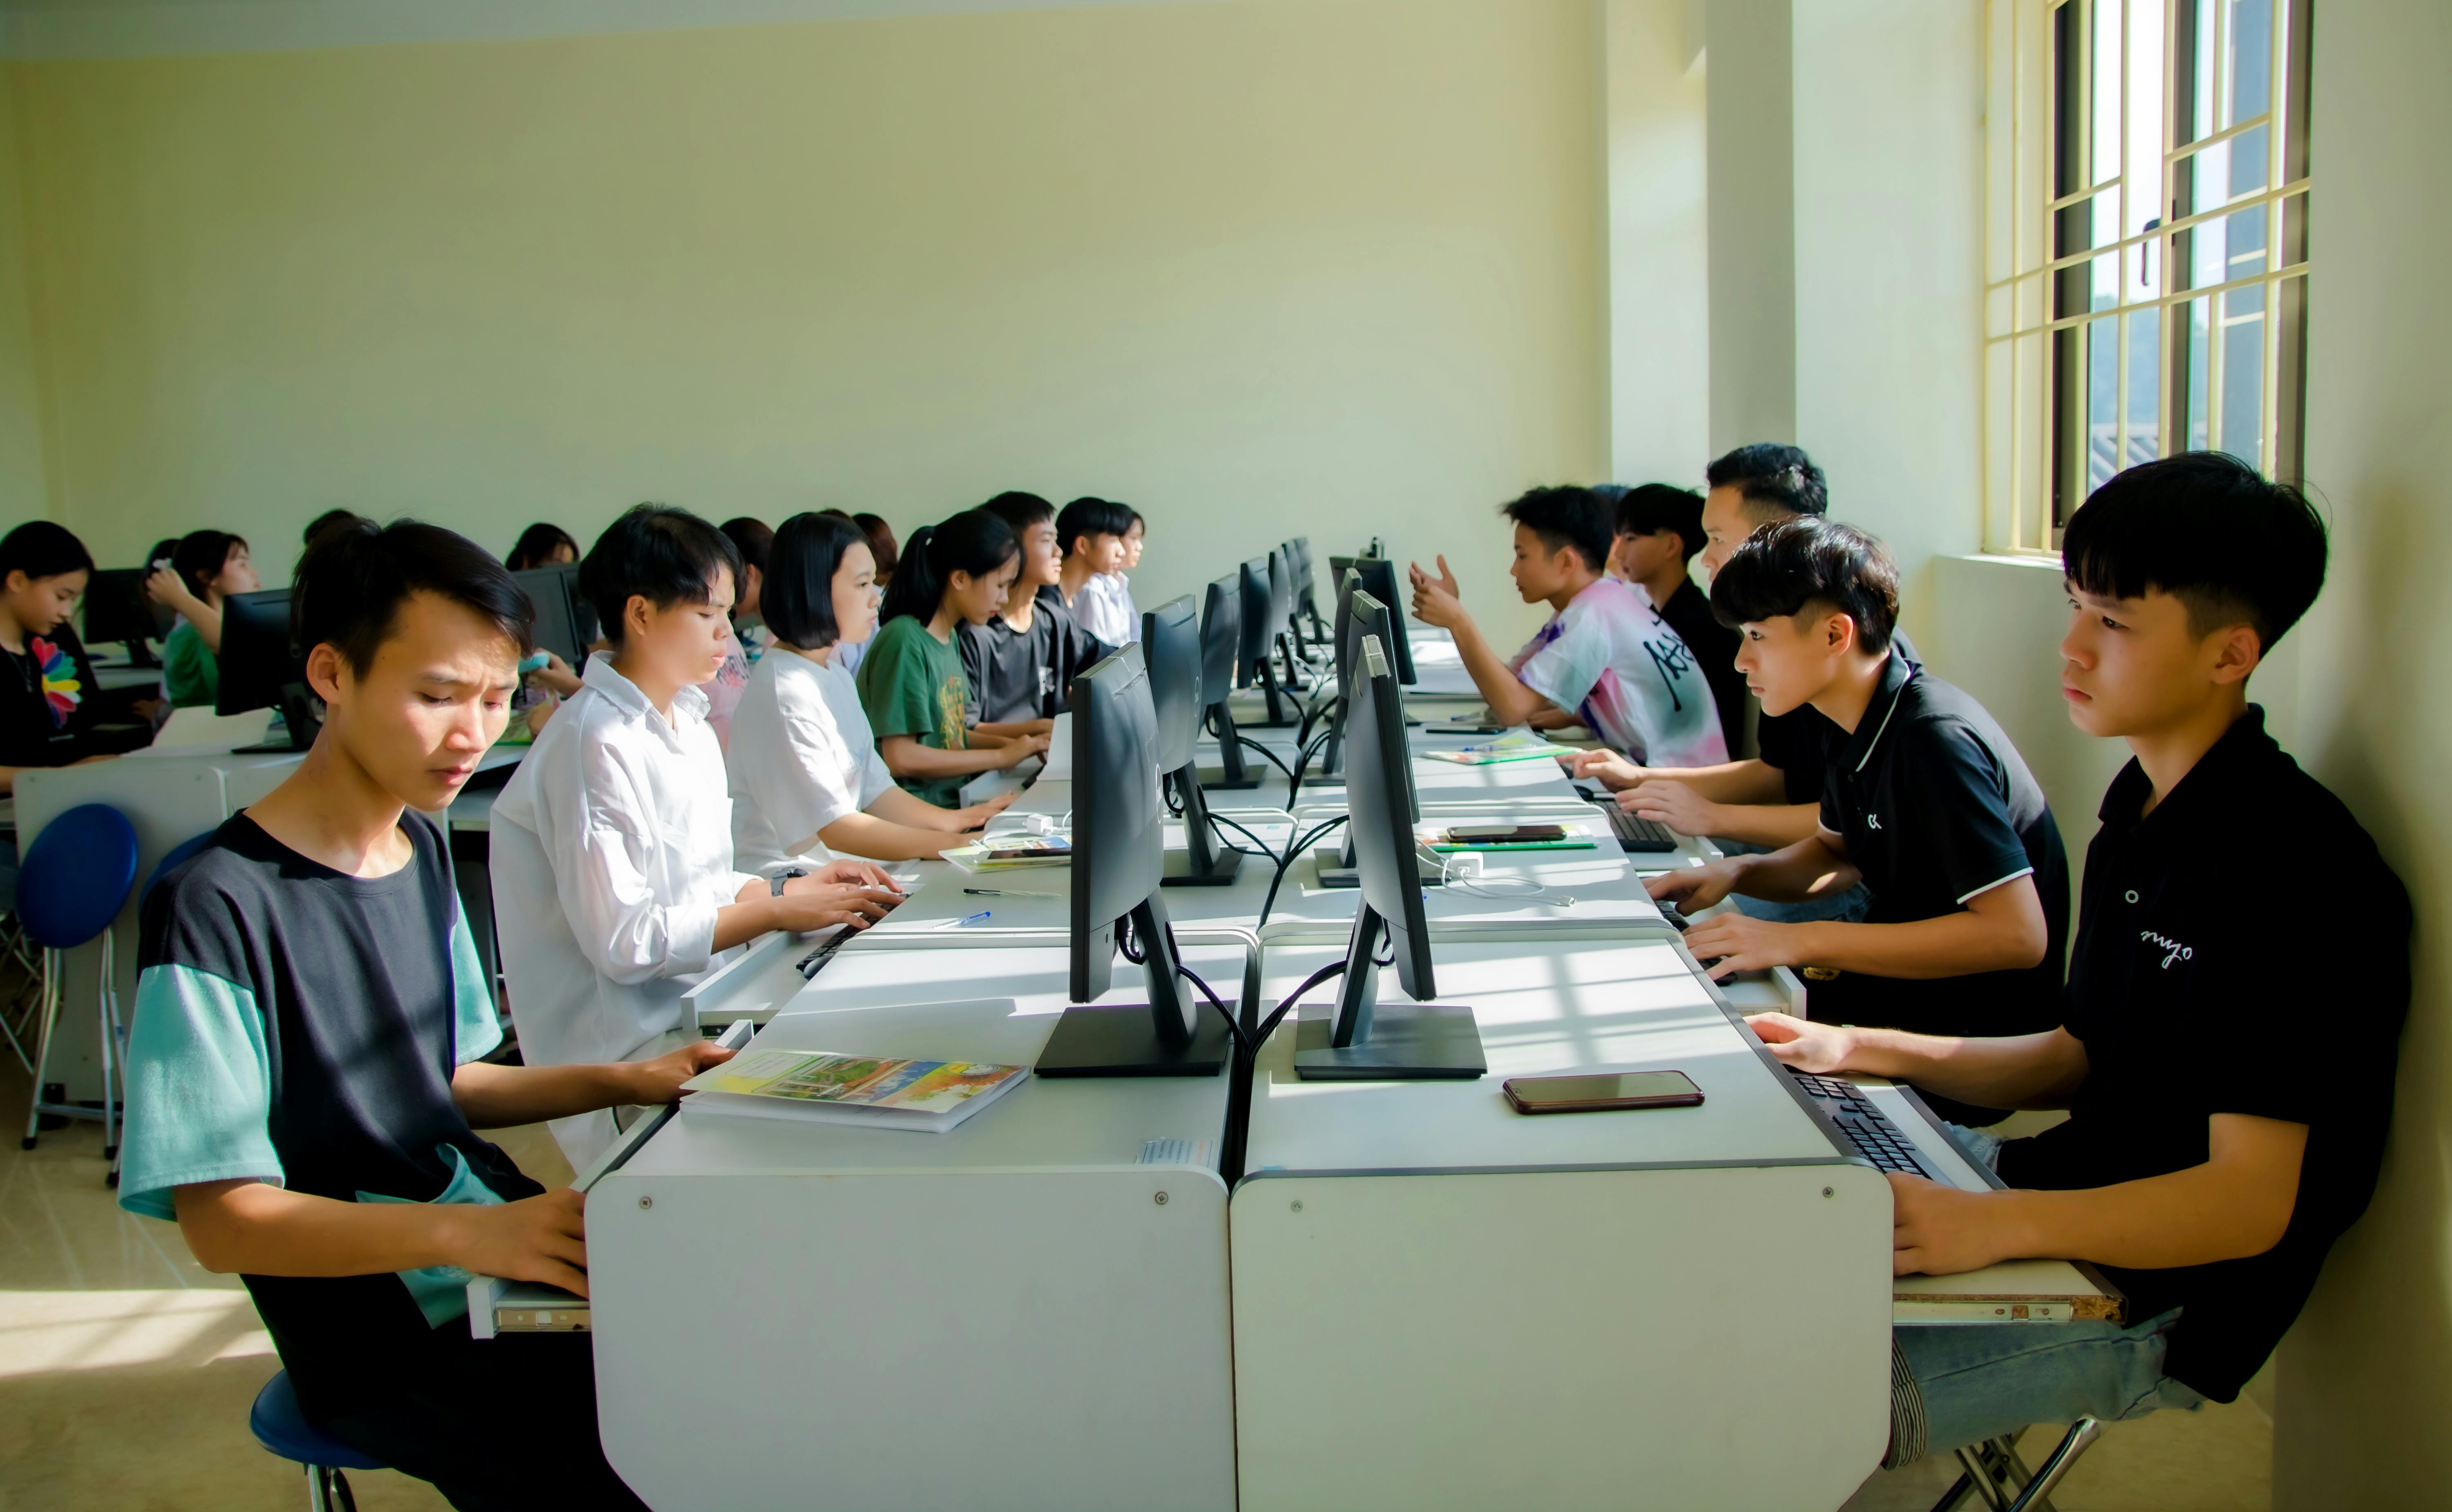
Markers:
point(1015, 1314)
point(1439, 1303)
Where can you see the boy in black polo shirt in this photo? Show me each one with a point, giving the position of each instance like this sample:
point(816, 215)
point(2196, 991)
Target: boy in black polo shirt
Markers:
point(1020, 664)
point(2200, 1168)
point(1923, 797)
point(303, 1082)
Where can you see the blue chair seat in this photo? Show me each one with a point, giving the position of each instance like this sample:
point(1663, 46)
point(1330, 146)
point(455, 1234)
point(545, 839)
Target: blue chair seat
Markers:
point(283, 1429)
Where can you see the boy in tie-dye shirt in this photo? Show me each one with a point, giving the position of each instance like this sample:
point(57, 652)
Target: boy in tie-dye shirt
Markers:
point(1606, 660)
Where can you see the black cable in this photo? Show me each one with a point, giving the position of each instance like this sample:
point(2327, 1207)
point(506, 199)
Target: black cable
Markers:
point(1233, 1027)
point(1268, 1025)
point(1263, 851)
point(1294, 850)
point(1266, 755)
point(1124, 942)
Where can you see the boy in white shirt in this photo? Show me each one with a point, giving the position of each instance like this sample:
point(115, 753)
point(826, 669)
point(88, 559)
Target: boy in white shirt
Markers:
point(614, 884)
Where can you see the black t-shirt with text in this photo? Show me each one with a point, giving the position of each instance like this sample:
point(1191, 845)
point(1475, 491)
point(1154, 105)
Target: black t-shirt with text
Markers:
point(1689, 613)
point(1018, 675)
point(2199, 989)
point(1936, 807)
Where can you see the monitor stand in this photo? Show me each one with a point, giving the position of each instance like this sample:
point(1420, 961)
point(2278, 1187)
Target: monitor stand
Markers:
point(1234, 774)
point(1278, 718)
point(1409, 1042)
point(297, 715)
point(1203, 861)
point(1173, 1035)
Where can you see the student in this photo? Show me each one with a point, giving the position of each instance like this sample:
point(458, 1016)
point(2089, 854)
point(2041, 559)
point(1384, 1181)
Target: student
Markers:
point(887, 554)
point(613, 876)
point(49, 688)
point(542, 546)
point(754, 540)
point(1606, 657)
point(206, 567)
point(328, 520)
point(1110, 594)
point(911, 683)
point(804, 772)
point(2203, 1166)
point(1923, 797)
point(305, 1073)
point(1020, 663)
point(1091, 534)
point(1659, 530)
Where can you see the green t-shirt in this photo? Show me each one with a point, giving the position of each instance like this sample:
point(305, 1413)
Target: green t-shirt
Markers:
point(912, 683)
point(188, 669)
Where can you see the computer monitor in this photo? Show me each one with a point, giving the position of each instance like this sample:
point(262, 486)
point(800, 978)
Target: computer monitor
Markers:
point(1379, 582)
point(1331, 761)
point(554, 592)
point(1306, 578)
point(1171, 649)
point(1263, 619)
point(260, 669)
point(1221, 641)
point(1357, 1037)
point(117, 610)
point(1285, 599)
point(1365, 619)
point(1118, 858)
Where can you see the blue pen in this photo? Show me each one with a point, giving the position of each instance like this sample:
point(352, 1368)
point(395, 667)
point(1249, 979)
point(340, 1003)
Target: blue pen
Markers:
point(954, 924)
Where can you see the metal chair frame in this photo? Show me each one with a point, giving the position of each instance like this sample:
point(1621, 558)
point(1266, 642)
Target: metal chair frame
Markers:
point(1996, 1472)
point(49, 1010)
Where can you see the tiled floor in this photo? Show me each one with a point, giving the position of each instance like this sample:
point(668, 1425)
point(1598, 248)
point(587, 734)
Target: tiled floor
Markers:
point(126, 1371)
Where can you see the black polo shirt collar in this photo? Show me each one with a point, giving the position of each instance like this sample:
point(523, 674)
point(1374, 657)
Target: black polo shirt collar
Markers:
point(1885, 702)
point(2208, 794)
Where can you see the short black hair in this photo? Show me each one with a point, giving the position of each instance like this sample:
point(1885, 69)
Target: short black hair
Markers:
point(797, 601)
point(351, 584)
point(1789, 566)
point(1648, 508)
point(882, 544)
point(1774, 480)
point(537, 545)
point(326, 521)
point(752, 538)
point(656, 552)
point(38, 548)
point(1020, 510)
point(2210, 531)
point(1565, 516)
point(1089, 516)
point(199, 557)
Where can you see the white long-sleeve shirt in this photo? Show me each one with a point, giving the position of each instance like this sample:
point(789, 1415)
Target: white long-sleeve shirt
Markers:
point(1104, 608)
point(801, 757)
point(611, 851)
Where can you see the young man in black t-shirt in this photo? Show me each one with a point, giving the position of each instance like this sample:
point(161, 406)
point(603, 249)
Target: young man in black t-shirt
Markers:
point(305, 1080)
point(2204, 1171)
point(1020, 664)
point(1923, 797)
point(1659, 530)
point(47, 689)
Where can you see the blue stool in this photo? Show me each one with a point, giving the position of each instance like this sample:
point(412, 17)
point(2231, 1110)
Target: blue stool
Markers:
point(281, 1428)
point(75, 876)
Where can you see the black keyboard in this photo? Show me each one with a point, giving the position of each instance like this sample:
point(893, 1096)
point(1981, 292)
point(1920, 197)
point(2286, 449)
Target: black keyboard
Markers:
point(1635, 834)
point(1866, 1126)
point(816, 960)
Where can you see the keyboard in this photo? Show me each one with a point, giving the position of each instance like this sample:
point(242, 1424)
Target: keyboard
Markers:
point(811, 964)
point(1635, 834)
point(1866, 1126)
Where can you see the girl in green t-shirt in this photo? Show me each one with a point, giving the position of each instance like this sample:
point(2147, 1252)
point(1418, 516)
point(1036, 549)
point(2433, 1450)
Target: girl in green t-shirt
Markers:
point(911, 682)
point(206, 567)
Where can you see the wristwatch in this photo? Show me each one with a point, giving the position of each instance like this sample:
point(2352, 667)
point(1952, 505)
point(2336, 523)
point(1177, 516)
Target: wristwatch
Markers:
point(778, 880)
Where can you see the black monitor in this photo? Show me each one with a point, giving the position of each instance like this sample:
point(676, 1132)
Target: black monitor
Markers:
point(1263, 621)
point(1221, 641)
point(117, 610)
point(1170, 648)
point(1306, 578)
point(260, 669)
point(1285, 600)
point(1357, 1038)
point(554, 592)
point(1379, 582)
point(1332, 762)
point(1118, 859)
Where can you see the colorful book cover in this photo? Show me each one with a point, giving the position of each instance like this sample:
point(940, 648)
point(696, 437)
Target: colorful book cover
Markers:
point(1516, 745)
point(853, 1081)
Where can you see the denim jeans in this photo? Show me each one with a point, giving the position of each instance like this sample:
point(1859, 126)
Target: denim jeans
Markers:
point(1848, 906)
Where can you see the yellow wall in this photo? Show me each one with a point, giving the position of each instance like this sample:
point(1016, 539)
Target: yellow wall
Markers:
point(1261, 268)
point(21, 444)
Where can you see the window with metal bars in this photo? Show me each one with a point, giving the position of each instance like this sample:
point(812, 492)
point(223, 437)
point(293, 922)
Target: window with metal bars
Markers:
point(2145, 245)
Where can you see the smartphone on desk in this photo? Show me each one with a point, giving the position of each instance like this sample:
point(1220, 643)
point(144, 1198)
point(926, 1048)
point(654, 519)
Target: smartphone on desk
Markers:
point(1604, 1092)
point(1462, 727)
point(1505, 833)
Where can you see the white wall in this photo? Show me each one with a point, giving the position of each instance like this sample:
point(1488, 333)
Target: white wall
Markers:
point(1753, 379)
point(1660, 340)
point(22, 495)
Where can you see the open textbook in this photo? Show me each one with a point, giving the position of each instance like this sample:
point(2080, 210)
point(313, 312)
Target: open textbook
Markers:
point(1516, 745)
point(816, 1085)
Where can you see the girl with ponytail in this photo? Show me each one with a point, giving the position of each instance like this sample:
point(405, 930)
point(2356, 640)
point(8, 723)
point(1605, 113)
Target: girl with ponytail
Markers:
point(911, 682)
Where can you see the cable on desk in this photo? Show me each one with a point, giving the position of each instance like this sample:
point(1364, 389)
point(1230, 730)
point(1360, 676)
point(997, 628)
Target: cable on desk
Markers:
point(1268, 1025)
point(1263, 851)
point(1293, 849)
point(1228, 1013)
point(1266, 755)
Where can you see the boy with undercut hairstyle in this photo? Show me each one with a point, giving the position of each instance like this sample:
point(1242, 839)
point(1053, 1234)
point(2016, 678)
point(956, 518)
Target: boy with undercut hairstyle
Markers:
point(2204, 1173)
point(1923, 797)
point(1020, 664)
point(1090, 533)
point(1659, 530)
point(1606, 660)
point(305, 1068)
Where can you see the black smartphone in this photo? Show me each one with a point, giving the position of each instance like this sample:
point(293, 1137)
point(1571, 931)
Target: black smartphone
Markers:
point(1462, 727)
point(1505, 833)
point(1601, 1093)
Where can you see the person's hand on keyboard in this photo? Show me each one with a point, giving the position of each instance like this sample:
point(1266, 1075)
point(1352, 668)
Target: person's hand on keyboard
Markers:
point(1606, 768)
point(1821, 1049)
point(1673, 804)
point(1694, 888)
point(1738, 942)
point(1938, 1230)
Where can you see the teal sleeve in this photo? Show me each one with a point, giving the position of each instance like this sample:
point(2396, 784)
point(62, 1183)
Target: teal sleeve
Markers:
point(199, 1084)
point(476, 1029)
point(896, 689)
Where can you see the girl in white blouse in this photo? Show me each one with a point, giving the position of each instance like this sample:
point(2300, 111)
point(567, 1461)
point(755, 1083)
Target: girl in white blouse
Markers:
point(803, 769)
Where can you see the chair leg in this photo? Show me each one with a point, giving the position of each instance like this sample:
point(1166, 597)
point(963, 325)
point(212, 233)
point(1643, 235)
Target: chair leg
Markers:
point(1985, 1475)
point(2037, 1496)
point(106, 1019)
point(1959, 1491)
point(49, 1011)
